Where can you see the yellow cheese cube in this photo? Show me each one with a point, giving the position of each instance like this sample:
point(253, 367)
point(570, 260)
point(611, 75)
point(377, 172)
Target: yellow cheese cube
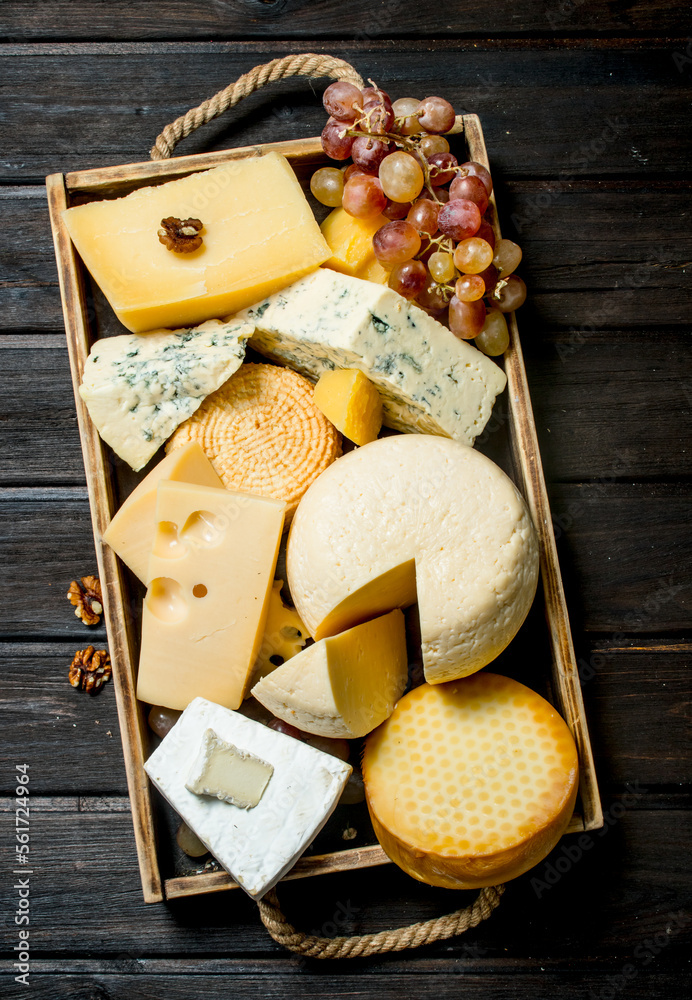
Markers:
point(351, 401)
point(259, 236)
point(210, 575)
point(131, 532)
point(470, 783)
point(350, 241)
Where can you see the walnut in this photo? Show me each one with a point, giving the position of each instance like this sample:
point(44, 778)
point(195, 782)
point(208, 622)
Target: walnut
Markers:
point(90, 669)
point(87, 598)
point(180, 235)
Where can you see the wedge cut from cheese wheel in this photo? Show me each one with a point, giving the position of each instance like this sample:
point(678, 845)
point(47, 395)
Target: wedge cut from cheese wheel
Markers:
point(131, 532)
point(417, 515)
point(344, 686)
point(470, 783)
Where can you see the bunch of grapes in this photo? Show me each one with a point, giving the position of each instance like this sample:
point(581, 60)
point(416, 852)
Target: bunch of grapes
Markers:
point(438, 244)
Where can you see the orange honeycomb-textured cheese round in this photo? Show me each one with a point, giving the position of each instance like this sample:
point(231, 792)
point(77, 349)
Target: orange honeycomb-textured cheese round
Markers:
point(263, 434)
point(470, 783)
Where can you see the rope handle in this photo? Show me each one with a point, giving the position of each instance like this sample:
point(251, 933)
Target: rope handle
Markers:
point(304, 64)
point(364, 945)
point(313, 65)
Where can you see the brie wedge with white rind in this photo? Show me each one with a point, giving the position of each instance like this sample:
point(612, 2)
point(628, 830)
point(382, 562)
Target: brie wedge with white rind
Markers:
point(430, 382)
point(417, 517)
point(255, 846)
point(140, 386)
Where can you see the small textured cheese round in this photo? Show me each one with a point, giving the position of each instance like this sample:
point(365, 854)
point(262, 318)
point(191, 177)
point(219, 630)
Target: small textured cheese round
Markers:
point(410, 517)
point(263, 434)
point(470, 783)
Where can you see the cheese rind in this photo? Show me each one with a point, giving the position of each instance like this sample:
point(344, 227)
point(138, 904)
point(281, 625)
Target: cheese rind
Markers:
point(471, 783)
point(139, 387)
point(259, 235)
point(343, 686)
point(131, 532)
point(228, 773)
point(209, 578)
point(256, 846)
point(413, 500)
point(429, 381)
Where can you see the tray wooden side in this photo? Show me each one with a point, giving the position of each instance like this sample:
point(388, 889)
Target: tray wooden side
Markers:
point(99, 471)
point(529, 473)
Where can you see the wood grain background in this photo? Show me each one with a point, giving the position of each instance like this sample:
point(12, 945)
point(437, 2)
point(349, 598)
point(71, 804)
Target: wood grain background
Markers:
point(585, 109)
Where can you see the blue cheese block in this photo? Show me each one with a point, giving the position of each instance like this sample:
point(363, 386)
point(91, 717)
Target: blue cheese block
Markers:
point(257, 845)
point(140, 386)
point(430, 381)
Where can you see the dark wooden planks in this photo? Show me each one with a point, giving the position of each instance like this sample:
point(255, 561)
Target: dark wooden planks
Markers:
point(172, 19)
point(637, 703)
point(88, 870)
point(611, 110)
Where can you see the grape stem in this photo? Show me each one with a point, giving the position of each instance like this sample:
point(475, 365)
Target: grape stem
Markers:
point(399, 140)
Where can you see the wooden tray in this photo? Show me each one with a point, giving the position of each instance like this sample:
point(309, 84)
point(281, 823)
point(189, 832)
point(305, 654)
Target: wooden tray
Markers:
point(512, 442)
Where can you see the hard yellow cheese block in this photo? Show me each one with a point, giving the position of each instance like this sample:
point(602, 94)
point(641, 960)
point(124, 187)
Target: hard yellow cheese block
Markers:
point(210, 575)
point(350, 241)
point(259, 236)
point(470, 783)
point(351, 401)
point(343, 686)
point(131, 532)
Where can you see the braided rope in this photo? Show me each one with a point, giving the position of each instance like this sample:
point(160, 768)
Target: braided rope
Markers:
point(304, 64)
point(363, 945)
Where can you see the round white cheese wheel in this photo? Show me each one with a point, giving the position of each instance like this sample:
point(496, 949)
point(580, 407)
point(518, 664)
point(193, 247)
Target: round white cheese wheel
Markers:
point(417, 517)
point(470, 783)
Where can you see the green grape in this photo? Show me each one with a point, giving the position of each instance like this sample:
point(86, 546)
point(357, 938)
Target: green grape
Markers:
point(507, 257)
point(441, 266)
point(401, 177)
point(473, 255)
point(494, 337)
point(469, 288)
point(327, 185)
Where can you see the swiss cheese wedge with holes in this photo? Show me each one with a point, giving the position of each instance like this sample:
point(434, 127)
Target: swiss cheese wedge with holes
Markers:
point(470, 783)
point(263, 434)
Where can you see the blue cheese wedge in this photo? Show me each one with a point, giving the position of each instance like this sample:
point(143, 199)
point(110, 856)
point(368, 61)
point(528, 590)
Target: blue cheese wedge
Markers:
point(139, 387)
point(256, 846)
point(430, 381)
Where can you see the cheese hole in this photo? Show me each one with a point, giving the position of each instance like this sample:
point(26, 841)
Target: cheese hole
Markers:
point(203, 530)
point(199, 590)
point(167, 545)
point(165, 600)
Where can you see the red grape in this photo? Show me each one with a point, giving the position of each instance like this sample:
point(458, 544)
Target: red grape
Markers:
point(378, 117)
point(470, 188)
point(442, 169)
point(423, 216)
point(432, 298)
point(459, 219)
point(511, 295)
point(474, 169)
point(395, 243)
point(339, 100)
point(469, 288)
point(466, 319)
point(351, 170)
point(335, 145)
point(490, 276)
point(369, 153)
point(436, 115)
point(430, 144)
point(397, 209)
point(363, 197)
point(487, 233)
point(375, 94)
point(473, 255)
point(409, 278)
